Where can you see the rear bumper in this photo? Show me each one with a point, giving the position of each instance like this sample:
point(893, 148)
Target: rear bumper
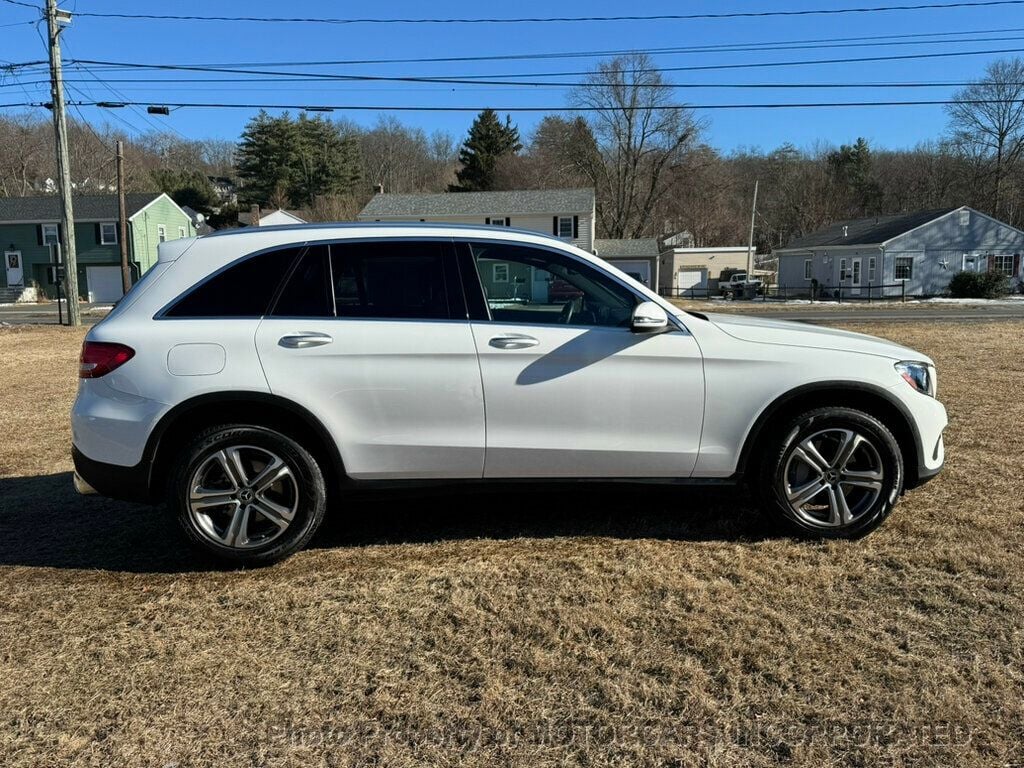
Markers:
point(111, 480)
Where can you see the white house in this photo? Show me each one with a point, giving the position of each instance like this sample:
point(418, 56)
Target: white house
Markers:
point(565, 213)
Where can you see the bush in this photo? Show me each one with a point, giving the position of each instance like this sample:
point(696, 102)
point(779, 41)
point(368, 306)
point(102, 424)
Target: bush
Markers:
point(978, 285)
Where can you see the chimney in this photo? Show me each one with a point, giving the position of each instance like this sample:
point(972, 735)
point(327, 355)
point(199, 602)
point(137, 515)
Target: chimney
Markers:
point(254, 215)
point(380, 189)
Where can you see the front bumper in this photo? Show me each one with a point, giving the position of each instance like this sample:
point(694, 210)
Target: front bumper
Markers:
point(111, 480)
point(929, 468)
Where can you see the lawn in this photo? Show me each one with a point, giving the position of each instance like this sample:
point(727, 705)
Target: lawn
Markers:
point(589, 627)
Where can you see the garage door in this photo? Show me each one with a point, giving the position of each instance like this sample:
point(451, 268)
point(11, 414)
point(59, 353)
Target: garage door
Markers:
point(691, 278)
point(103, 283)
point(638, 270)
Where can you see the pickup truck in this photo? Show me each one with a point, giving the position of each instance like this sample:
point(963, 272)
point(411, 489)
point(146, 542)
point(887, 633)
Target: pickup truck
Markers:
point(737, 284)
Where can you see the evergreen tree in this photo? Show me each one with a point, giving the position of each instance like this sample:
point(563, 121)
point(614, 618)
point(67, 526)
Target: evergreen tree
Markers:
point(286, 161)
point(851, 170)
point(266, 157)
point(488, 141)
point(191, 188)
point(325, 162)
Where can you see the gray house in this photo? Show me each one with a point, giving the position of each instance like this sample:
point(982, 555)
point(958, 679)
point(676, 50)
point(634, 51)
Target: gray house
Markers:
point(921, 250)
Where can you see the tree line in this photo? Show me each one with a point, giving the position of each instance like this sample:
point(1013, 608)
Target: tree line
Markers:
point(650, 162)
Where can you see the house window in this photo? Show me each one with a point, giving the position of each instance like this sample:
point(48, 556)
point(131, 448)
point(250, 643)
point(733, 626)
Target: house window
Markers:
point(499, 221)
point(181, 231)
point(903, 268)
point(965, 218)
point(871, 269)
point(565, 227)
point(161, 233)
point(108, 233)
point(842, 270)
point(1002, 264)
point(808, 269)
point(50, 235)
point(499, 273)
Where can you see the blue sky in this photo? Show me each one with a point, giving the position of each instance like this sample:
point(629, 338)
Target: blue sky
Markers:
point(222, 42)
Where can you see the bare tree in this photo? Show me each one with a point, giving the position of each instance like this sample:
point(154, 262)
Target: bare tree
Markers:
point(23, 158)
point(987, 126)
point(404, 159)
point(640, 136)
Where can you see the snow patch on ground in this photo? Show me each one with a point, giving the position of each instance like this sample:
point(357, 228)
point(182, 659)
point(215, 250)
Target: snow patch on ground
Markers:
point(1008, 301)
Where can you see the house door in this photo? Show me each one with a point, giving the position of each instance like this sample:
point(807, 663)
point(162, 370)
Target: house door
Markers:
point(855, 276)
point(15, 272)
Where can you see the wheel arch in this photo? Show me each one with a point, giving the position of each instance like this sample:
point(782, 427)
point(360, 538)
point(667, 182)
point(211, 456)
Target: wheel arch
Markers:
point(868, 398)
point(177, 427)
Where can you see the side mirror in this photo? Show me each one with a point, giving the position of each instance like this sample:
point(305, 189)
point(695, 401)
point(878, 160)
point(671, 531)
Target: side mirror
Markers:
point(648, 317)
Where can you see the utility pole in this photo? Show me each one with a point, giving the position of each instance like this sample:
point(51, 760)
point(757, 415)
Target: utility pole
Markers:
point(122, 235)
point(54, 18)
point(750, 241)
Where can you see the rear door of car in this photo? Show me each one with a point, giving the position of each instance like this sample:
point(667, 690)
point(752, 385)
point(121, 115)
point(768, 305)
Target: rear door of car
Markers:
point(372, 336)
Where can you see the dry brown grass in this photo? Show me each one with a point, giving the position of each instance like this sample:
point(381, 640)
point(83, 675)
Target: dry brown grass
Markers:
point(742, 306)
point(528, 629)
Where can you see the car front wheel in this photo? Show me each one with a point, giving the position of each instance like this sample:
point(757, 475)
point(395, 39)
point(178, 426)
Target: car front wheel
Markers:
point(835, 473)
point(248, 494)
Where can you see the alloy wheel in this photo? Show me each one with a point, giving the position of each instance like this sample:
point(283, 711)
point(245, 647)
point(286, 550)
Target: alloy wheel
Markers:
point(242, 497)
point(833, 478)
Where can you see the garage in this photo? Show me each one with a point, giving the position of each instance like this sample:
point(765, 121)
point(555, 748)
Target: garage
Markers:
point(103, 284)
point(638, 258)
point(638, 270)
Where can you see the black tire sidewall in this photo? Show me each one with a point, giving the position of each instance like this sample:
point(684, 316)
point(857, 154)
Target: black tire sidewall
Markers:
point(772, 480)
point(308, 476)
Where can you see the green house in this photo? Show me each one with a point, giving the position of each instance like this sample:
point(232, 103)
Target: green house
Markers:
point(29, 232)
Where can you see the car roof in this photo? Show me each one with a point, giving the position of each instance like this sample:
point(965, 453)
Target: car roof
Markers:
point(355, 226)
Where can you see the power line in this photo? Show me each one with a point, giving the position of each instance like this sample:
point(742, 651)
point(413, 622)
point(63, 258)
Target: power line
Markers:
point(552, 19)
point(676, 86)
point(484, 79)
point(837, 42)
point(153, 126)
point(24, 5)
point(436, 108)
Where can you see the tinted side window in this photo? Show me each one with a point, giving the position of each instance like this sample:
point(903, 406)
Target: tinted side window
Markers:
point(533, 285)
point(308, 291)
point(397, 279)
point(242, 290)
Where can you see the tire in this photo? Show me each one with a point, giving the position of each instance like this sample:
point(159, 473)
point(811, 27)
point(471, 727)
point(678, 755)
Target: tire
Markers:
point(224, 499)
point(855, 495)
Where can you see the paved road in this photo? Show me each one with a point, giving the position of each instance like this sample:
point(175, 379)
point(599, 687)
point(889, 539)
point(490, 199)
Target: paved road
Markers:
point(46, 314)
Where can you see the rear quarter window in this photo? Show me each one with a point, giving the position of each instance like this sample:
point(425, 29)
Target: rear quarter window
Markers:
point(243, 289)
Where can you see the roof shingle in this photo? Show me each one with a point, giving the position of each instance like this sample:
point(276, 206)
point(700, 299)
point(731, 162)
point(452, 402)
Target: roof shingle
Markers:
point(870, 231)
point(610, 249)
point(86, 207)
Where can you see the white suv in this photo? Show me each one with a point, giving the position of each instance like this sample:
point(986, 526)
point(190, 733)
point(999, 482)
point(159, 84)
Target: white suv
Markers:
point(253, 376)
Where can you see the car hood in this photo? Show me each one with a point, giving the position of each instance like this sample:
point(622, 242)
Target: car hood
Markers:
point(765, 331)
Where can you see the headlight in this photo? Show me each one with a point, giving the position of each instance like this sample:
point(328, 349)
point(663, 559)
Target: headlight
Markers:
point(919, 376)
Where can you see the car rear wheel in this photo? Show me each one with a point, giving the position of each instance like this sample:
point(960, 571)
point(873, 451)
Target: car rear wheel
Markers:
point(835, 473)
point(248, 494)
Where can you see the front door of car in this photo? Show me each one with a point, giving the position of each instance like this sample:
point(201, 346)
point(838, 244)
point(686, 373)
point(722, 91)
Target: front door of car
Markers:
point(372, 337)
point(569, 389)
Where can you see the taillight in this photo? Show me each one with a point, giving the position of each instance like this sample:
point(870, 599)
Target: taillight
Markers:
point(100, 357)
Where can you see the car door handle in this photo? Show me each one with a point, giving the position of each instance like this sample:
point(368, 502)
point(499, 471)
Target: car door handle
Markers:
point(513, 341)
point(304, 340)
